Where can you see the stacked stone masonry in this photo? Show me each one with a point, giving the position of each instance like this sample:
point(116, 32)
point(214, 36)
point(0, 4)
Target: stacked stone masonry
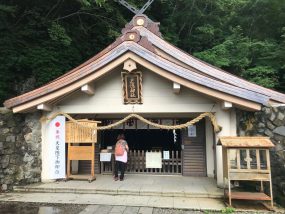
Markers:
point(20, 148)
point(270, 122)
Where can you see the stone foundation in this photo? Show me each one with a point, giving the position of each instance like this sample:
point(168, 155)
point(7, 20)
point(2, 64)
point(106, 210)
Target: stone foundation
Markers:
point(20, 148)
point(270, 121)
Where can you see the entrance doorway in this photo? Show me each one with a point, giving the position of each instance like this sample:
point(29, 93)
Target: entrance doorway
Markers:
point(186, 154)
point(140, 142)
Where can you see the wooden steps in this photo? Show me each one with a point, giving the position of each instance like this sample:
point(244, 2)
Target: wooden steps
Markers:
point(258, 196)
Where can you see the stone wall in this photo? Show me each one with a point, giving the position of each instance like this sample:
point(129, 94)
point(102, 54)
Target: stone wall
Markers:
point(20, 148)
point(270, 121)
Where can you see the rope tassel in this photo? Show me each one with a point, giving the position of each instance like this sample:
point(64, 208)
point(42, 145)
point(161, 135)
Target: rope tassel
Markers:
point(210, 115)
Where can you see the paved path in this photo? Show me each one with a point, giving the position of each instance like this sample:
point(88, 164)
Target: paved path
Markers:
point(69, 203)
point(117, 200)
point(105, 209)
point(144, 185)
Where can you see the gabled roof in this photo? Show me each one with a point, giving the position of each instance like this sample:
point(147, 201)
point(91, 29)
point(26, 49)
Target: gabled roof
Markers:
point(208, 69)
point(142, 39)
point(245, 142)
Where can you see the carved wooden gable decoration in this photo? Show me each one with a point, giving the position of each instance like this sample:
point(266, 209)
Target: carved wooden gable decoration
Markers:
point(132, 84)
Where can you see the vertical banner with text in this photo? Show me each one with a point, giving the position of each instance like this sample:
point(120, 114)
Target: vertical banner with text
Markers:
point(56, 147)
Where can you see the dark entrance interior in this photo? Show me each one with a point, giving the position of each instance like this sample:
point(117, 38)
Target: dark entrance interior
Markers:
point(189, 161)
point(140, 142)
point(144, 139)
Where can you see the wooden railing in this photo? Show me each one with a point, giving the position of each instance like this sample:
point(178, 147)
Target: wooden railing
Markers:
point(136, 164)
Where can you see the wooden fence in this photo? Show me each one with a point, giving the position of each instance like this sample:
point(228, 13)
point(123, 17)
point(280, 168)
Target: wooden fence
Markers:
point(136, 164)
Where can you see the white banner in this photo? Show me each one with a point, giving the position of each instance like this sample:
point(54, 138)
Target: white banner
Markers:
point(56, 147)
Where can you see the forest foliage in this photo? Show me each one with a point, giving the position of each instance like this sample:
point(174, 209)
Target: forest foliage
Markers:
point(41, 40)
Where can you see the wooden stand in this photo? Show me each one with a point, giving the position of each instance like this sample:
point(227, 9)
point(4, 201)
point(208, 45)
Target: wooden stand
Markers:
point(78, 135)
point(247, 159)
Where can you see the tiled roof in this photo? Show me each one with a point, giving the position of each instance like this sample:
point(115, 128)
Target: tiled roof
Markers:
point(208, 69)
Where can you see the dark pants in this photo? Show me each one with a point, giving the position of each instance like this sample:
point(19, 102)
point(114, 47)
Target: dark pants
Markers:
point(120, 166)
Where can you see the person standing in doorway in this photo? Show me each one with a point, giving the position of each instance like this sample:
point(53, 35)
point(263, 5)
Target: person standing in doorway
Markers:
point(121, 157)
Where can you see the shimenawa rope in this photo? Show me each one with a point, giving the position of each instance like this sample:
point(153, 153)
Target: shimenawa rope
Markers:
point(211, 116)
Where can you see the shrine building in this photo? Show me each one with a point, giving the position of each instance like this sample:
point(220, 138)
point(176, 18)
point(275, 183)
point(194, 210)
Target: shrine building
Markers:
point(141, 73)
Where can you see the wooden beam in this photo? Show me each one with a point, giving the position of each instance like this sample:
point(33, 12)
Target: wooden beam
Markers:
point(176, 88)
point(88, 89)
point(44, 107)
point(226, 105)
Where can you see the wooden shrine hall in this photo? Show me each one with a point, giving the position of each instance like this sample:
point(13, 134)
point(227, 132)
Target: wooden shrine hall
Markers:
point(141, 73)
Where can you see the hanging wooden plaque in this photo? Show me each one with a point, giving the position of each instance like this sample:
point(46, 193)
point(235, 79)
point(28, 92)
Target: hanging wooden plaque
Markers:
point(132, 87)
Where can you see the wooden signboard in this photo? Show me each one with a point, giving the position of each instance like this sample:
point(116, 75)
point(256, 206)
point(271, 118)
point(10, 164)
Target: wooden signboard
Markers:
point(132, 87)
point(76, 135)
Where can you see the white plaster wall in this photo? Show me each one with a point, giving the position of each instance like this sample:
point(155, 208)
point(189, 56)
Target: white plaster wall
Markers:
point(158, 96)
point(209, 148)
point(226, 119)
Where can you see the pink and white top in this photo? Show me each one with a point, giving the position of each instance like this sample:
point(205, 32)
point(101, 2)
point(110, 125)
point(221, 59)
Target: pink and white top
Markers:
point(123, 158)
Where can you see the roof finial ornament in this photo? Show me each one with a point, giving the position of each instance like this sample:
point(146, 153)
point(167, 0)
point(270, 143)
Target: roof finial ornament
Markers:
point(133, 9)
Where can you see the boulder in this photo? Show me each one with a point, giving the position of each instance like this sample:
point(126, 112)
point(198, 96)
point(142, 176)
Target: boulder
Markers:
point(269, 133)
point(11, 138)
point(272, 117)
point(280, 130)
point(4, 187)
point(28, 158)
point(5, 161)
point(270, 125)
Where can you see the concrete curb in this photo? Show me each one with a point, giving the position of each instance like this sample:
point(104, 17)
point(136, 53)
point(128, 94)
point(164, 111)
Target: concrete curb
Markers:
point(21, 189)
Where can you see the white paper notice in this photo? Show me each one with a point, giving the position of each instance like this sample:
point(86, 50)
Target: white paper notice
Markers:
point(153, 160)
point(166, 155)
point(105, 157)
point(56, 148)
point(192, 132)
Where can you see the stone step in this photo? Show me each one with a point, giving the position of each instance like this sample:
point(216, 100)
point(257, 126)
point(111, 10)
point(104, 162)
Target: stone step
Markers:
point(170, 193)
